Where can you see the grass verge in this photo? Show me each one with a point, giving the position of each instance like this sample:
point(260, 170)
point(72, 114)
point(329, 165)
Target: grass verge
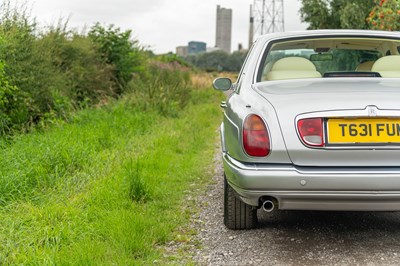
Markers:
point(106, 188)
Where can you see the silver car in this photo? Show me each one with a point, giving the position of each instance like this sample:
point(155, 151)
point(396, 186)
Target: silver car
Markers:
point(313, 123)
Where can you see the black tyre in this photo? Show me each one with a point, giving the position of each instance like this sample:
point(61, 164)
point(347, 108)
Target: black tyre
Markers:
point(237, 214)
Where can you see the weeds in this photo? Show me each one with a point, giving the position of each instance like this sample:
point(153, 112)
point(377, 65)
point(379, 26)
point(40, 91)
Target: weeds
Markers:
point(138, 190)
point(165, 87)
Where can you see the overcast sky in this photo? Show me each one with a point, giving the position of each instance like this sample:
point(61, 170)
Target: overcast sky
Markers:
point(159, 24)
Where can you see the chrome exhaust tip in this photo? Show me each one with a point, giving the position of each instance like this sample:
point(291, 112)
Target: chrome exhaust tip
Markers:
point(268, 206)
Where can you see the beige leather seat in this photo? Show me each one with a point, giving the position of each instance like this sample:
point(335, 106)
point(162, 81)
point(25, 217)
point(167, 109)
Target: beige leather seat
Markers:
point(293, 68)
point(388, 66)
point(365, 66)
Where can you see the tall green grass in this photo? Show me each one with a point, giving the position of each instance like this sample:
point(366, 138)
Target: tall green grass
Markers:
point(106, 184)
point(107, 187)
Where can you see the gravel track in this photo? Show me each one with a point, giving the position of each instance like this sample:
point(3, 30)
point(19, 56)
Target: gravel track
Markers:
point(291, 238)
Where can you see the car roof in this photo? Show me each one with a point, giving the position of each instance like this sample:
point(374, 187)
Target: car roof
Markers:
point(316, 33)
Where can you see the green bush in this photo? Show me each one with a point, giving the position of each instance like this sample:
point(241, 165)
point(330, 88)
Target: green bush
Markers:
point(88, 79)
point(45, 74)
point(52, 72)
point(118, 49)
point(30, 66)
point(8, 99)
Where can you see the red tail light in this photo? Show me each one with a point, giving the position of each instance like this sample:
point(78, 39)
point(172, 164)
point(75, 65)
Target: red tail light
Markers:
point(255, 137)
point(311, 131)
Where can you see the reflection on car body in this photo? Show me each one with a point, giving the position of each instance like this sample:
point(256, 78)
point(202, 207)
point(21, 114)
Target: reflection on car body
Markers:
point(313, 124)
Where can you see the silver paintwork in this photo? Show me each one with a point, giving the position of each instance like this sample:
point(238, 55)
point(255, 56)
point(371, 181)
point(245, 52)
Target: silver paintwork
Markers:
point(365, 189)
point(299, 177)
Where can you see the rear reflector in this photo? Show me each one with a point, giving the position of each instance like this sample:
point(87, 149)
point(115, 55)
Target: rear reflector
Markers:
point(311, 131)
point(256, 140)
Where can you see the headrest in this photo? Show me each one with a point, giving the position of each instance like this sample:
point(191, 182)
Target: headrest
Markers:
point(388, 66)
point(365, 66)
point(293, 63)
point(292, 68)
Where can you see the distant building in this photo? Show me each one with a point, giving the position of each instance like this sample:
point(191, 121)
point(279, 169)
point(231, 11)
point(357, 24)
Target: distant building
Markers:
point(192, 48)
point(197, 47)
point(213, 49)
point(224, 29)
point(182, 51)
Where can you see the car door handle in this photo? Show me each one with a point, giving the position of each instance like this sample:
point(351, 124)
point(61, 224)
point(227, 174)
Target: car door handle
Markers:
point(223, 104)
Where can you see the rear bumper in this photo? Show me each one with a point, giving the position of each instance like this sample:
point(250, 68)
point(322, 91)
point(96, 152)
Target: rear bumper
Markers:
point(310, 188)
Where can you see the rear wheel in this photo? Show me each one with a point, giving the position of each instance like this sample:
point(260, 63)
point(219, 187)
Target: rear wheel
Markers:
point(237, 214)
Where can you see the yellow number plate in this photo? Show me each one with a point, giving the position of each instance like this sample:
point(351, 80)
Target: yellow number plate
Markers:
point(349, 131)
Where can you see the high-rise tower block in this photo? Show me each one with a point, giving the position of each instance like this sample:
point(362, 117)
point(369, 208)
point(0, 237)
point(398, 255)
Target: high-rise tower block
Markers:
point(224, 29)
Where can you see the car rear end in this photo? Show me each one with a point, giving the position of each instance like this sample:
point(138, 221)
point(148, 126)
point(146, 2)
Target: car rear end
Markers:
point(340, 155)
point(299, 136)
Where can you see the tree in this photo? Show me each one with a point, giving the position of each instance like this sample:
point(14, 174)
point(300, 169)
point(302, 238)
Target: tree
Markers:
point(235, 61)
point(336, 14)
point(385, 15)
point(218, 61)
point(119, 50)
point(316, 13)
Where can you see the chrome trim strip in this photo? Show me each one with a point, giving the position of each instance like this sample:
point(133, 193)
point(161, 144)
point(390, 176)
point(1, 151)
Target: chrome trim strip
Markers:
point(327, 194)
point(309, 170)
point(254, 166)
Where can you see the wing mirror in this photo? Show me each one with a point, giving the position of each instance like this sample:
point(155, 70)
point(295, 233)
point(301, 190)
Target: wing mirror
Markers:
point(222, 84)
